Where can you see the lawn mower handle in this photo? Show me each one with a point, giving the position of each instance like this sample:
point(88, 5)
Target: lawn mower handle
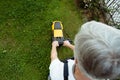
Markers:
point(61, 40)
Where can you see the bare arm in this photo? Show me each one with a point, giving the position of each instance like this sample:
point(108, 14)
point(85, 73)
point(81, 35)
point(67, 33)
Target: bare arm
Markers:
point(54, 50)
point(69, 45)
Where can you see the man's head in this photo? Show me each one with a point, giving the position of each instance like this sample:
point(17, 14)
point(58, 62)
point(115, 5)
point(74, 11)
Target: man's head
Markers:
point(98, 57)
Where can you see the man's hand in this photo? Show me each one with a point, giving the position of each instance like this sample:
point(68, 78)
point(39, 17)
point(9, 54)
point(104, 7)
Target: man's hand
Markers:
point(54, 50)
point(68, 44)
point(55, 44)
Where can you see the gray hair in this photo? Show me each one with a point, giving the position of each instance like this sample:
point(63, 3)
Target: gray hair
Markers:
point(97, 50)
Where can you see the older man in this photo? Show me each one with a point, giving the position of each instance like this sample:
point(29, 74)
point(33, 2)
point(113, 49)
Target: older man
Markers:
point(96, 52)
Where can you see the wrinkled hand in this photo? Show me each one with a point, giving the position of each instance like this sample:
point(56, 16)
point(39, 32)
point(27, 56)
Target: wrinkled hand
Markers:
point(55, 44)
point(66, 43)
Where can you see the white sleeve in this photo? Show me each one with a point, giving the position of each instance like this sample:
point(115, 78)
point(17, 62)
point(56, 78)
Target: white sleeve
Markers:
point(56, 70)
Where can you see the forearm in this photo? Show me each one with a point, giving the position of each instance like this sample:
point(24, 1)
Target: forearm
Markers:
point(53, 53)
point(71, 46)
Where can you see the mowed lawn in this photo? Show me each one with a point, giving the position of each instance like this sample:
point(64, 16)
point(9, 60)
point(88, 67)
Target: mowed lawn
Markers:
point(25, 36)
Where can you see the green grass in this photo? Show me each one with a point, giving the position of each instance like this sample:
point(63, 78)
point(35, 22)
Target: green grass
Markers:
point(25, 36)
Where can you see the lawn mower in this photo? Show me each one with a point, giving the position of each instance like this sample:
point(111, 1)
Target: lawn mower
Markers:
point(57, 30)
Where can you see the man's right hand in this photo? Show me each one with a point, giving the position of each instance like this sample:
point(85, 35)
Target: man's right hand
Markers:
point(68, 44)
